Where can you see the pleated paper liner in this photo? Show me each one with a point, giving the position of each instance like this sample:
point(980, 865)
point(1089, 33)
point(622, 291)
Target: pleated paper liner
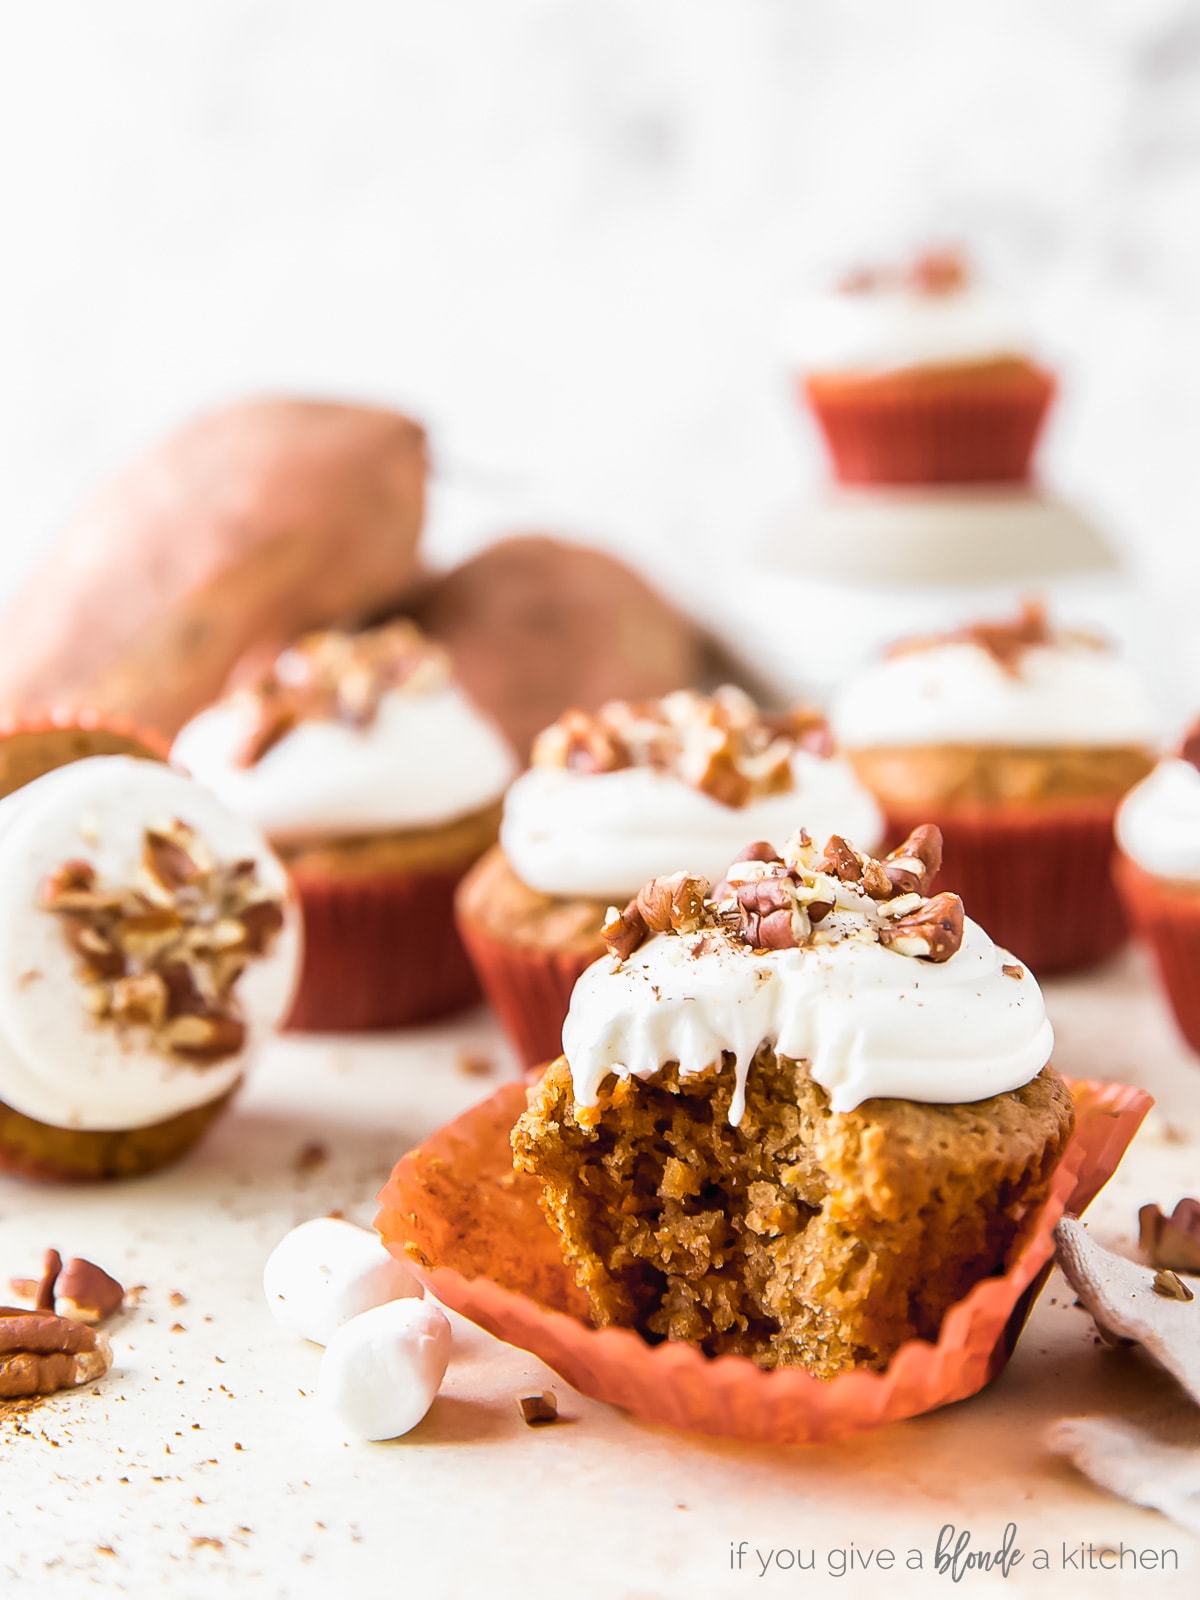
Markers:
point(380, 951)
point(41, 1153)
point(1037, 879)
point(472, 1229)
point(974, 425)
point(529, 988)
point(1167, 917)
point(31, 746)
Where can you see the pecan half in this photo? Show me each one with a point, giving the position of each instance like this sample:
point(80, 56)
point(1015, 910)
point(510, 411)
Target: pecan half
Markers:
point(41, 1353)
point(86, 1293)
point(933, 932)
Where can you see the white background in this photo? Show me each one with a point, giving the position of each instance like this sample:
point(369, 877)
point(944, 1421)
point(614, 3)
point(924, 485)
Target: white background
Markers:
point(564, 231)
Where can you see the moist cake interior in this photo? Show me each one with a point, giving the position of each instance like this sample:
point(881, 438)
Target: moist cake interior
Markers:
point(800, 1236)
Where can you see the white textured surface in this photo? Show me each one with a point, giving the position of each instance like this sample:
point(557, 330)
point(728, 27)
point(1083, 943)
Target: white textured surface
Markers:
point(148, 1465)
point(566, 234)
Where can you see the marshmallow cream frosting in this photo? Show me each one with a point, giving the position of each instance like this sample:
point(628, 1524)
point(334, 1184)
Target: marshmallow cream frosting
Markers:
point(427, 757)
point(889, 321)
point(59, 1064)
point(1158, 822)
point(602, 835)
point(869, 1021)
point(1069, 692)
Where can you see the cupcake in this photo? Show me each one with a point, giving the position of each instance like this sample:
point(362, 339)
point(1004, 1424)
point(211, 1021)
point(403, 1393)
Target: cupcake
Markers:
point(915, 375)
point(1158, 874)
point(148, 947)
point(618, 796)
point(799, 1115)
point(1018, 739)
point(379, 784)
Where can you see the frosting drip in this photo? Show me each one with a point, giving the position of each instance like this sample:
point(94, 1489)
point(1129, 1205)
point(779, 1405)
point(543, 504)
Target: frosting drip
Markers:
point(1158, 822)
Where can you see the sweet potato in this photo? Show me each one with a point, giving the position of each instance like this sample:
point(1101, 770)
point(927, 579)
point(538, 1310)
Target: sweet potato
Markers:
point(535, 626)
point(250, 525)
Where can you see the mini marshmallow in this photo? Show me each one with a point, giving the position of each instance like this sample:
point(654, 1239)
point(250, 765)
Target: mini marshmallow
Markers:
point(326, 1271)
point(381, 1370)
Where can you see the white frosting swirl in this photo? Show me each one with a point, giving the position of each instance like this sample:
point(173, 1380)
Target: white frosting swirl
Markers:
point(1158, 822)
point(1069, 693)
point(58, 1063)
point(869, 1021)
point(426, 758)
point(882, 330)
point(603, 835)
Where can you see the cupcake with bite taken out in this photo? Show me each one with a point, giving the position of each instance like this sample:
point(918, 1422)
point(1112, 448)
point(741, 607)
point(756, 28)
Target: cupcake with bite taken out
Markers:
point(916, 375)
point(622, 794)
point(148, 948)
point(379, 784)
point(1018, 739)
point(798, 1115)
point(1158, 874)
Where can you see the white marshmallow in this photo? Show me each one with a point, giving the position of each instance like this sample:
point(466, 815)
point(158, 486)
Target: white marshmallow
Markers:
point(382, 1370)
point(326, 1271)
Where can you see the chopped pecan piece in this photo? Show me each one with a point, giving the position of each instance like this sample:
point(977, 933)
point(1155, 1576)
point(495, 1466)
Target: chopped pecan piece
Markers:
point(912, 866)
point(1170, 1285)
point(538, 1409)
point(164, 953)
point(624, 931)
point(933, 932)
point(674, 902)
point(841, 861)
point(1006, 642)
point(720, 744)
point(339, 677)
point(41, 1353)
point(768, 913)
point(1172, 1242)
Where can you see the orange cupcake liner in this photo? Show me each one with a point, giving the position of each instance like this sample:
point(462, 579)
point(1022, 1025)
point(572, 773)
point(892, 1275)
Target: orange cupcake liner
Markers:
point(456, 1212)
point(1168, 919)
point(81, 721)
point(380, 951)
point(1038, 879)
point(528, 988)
point(902, 429)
